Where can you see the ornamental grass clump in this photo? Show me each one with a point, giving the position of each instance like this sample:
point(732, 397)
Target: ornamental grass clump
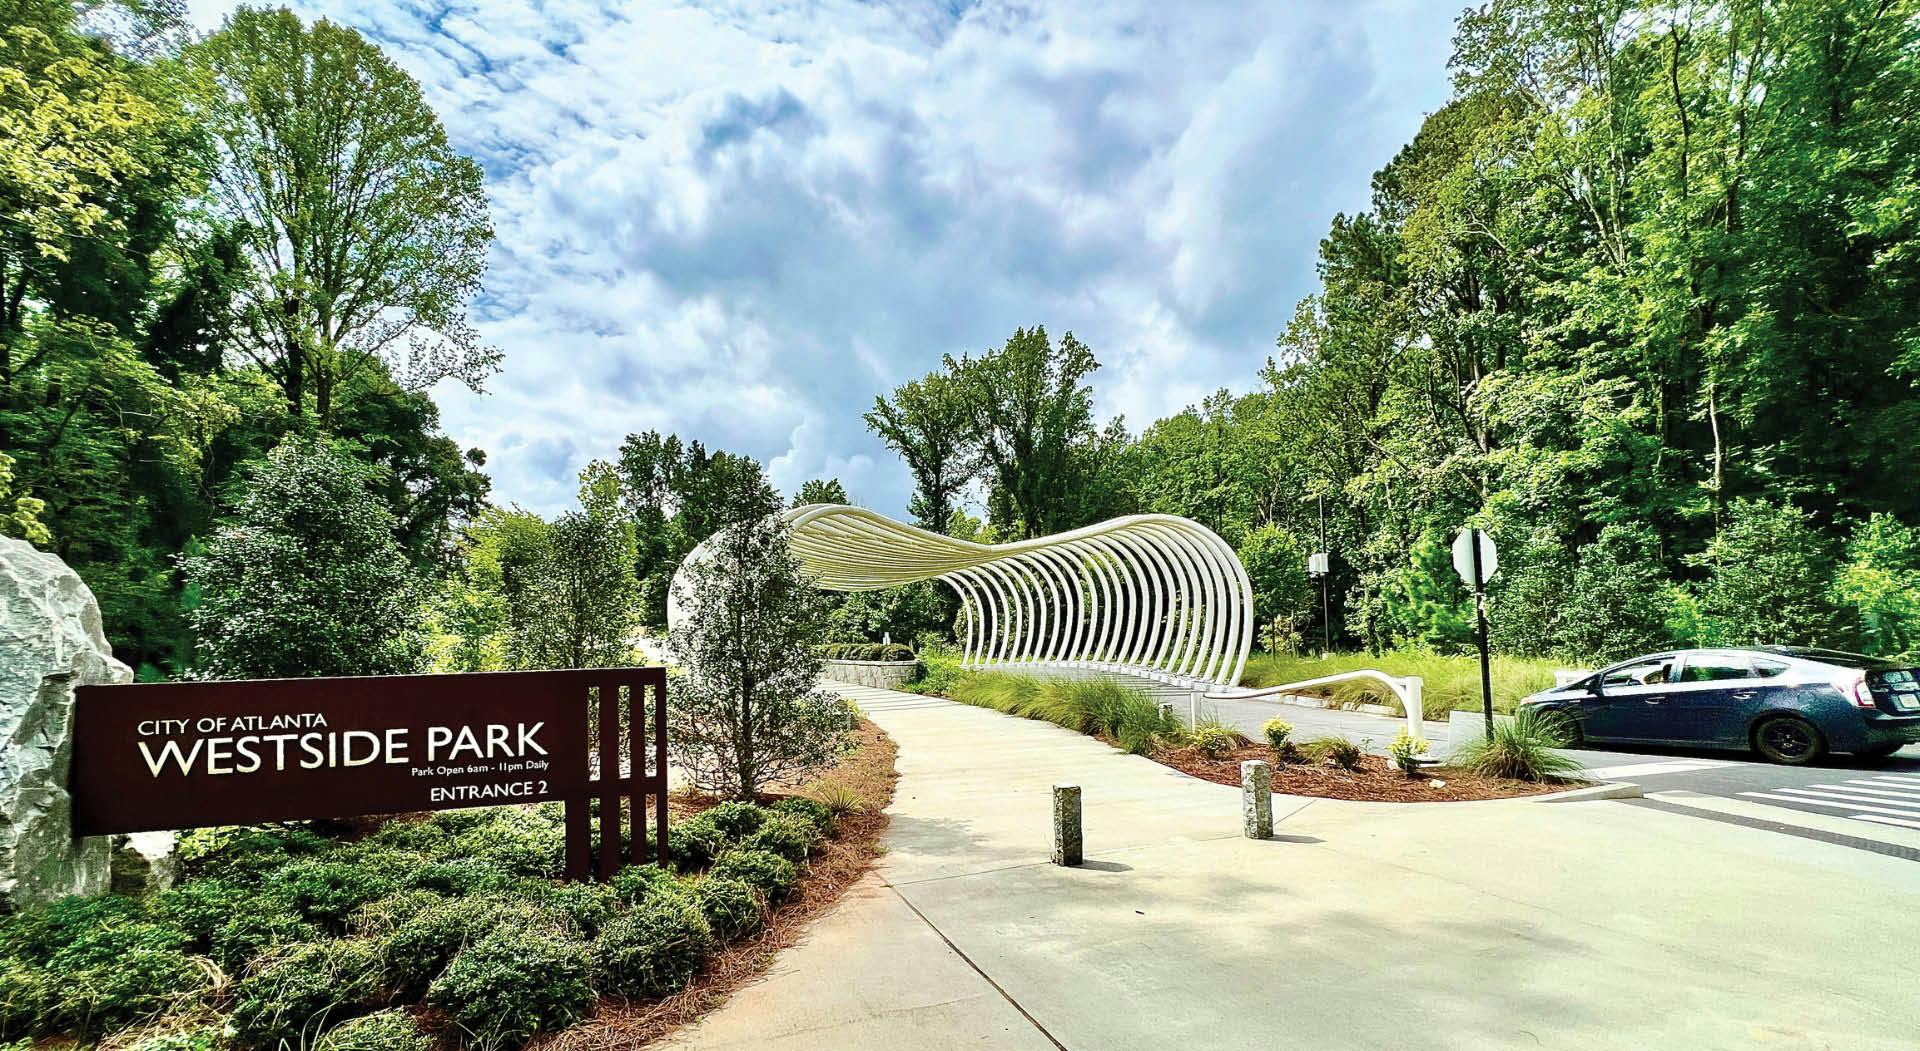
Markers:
point(1523, 748)
point(1334, 750)
point(1129, 717)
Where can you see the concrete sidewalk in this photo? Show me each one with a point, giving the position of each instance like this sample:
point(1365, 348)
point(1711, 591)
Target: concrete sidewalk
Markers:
point(1462, 925)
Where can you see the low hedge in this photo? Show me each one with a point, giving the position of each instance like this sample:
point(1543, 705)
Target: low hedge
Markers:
point(866, 651)
point(328, 944)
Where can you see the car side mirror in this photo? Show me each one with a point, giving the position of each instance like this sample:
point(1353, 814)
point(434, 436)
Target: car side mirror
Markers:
point(1593, 688)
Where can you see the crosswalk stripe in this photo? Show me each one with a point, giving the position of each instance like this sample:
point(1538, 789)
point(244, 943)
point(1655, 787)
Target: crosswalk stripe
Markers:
point(1878, 790)
point(1828, 792)
point(1834, 804)
point(1898, 780)
point(1887, 820)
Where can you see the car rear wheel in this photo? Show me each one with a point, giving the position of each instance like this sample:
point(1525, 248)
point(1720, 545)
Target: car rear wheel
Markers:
point(1788, 739)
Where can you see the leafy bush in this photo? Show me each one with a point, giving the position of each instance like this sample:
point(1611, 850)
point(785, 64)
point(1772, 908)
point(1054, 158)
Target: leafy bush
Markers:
point(419, 948)
point(637, 883)
point(737, 819)
point(790, 837)
point(1334, 750)
point(1406, 751)
point(26, 996)
point(1523, 748)
point(389, 1030)
point(294, 995)
point(1277, 731)
point(38, 935)
point(267, 922)
point(514, 982)
point(1768, 573)
point(770, 874)
point(236, 850)
point(519, 842)
point(134, 987)
point(812, 811)
point(458, 876)
point(732, 907)
point(326, 893)
point(1213, 740)
point(694, 843)
point(380, 918)
point(939, 671)
point(198, 908)
point(653, 950)
point(866, 651)
point(586, 907)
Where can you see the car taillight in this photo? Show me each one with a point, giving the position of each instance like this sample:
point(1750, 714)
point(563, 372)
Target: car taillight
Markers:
point(1855, 687)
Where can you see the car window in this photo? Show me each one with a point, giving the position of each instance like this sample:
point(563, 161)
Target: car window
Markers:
point(1766, 669)
point(1641, 673)
point(1716, 668)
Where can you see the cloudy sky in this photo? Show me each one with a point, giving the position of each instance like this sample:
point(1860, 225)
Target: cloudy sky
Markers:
point(740, 221)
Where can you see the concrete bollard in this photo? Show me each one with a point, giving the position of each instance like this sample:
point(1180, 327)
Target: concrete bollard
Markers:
point(1067, 845)
point(1256, 799)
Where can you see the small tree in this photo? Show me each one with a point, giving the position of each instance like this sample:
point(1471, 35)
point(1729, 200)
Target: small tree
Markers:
point(1770, 579)
point(1880, 583)
point(581, 609)
point(1276, 563)
point(305, 578)
point(747, 712)
point(1619, 603)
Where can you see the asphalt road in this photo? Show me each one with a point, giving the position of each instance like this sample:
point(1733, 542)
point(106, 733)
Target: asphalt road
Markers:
point(1872, 799)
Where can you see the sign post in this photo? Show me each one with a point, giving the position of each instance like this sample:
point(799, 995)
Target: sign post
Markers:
point(191, 754)
point(1476, 560)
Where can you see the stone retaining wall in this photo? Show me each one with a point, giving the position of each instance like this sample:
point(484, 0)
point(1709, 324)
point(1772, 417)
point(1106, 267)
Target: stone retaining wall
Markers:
point(886, 675)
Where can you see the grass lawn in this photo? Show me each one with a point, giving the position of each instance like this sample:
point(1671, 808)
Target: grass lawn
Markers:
point(1450, 683)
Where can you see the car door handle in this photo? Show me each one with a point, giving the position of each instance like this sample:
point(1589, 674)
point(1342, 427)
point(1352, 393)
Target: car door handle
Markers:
point(1744, 695)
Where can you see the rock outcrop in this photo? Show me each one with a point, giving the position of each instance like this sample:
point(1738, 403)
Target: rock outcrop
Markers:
point(50, 643)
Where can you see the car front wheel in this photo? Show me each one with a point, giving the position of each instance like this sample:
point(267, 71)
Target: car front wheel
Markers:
point(1788, 739)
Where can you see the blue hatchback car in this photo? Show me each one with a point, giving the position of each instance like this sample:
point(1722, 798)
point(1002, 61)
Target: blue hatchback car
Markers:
point(1790, 704)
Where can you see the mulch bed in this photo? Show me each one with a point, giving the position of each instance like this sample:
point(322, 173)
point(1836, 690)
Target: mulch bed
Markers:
point(1377, 780)
point(838, 865)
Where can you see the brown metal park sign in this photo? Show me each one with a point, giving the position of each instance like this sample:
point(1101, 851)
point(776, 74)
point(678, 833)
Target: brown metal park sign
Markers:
point(192, 754)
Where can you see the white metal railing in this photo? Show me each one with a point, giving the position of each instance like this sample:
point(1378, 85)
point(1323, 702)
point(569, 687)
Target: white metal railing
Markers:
point(1406, 688)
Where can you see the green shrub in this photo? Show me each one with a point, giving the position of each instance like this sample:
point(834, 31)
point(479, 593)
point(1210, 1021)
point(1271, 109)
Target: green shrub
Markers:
point(771, 874)
point(136, 986)
point(512, 983)
point(1406, 751)
point(866, 651)
point(737, 819)
point(732, 907)
point(293, 995)
point(326, 893)
point(206, 1038)
point(420, 947)
point(1523, 748)
point(1334, 750)
point(36, 936)
point(456, 876)
point(1277, 731)
point(517, 841)
point(380, 918)
point(389, 1030)
point(1214, 740)
point(26, 999)
point(234, 851)
point(790, 837)
point(112, 941)
point(653, 950)
point(586, 907)
point(694, 843)
point(812, 811)
point(636, 883)
point(265, 923)
point(199, 907)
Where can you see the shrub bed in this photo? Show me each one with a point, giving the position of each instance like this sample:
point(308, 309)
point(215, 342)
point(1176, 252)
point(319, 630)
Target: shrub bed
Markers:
point(297, 939)
point(866, 651)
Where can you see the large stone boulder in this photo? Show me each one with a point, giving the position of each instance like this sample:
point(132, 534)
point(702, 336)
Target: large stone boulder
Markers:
point(50, 642)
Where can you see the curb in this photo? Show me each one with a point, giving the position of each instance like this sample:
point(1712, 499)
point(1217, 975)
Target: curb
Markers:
point(1603, 790)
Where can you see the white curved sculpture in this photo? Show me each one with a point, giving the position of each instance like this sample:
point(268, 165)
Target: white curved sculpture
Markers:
point(1155, 596)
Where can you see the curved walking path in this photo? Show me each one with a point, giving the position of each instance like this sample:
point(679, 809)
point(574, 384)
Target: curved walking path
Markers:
point(1459, 925)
